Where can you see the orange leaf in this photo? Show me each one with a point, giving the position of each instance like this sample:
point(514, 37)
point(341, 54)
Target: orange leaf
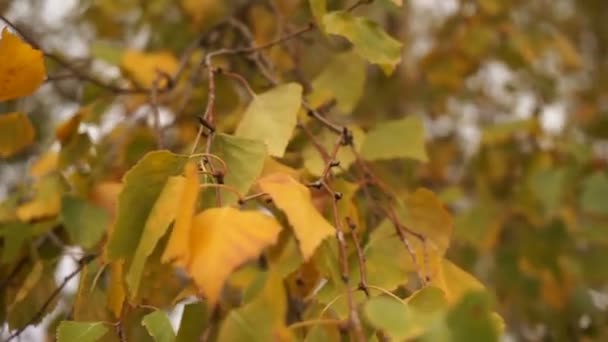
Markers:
point(221, 240)
point(295, 201)
point(22, 69)
point(176, 248)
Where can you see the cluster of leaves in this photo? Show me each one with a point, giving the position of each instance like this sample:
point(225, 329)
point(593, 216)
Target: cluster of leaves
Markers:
point(255, 162)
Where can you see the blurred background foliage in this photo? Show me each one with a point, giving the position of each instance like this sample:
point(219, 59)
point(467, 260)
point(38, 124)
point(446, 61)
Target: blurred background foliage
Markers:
point(513, 94)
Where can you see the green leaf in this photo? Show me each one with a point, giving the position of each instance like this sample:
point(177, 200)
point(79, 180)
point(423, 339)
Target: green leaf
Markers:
point(390, 316)
point(84, 222)
point(473, 313)
point(342, 79)
point(388, 262)
point(107, 52)
point(244, 159)
point(14, 234)
point(158, 326)
point(262, 319)
point(406, 320)
point(595, 194)
point(396, 139)
point(194, 321)
point(368, 38)
point(143, 184)
point(162, 214)
point(70, 331)
point(548, 185)
point(271, 117)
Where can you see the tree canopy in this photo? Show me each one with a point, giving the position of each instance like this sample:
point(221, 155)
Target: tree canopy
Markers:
point(303, 170)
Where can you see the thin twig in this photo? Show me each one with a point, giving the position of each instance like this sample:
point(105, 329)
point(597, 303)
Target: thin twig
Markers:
point(81, 264)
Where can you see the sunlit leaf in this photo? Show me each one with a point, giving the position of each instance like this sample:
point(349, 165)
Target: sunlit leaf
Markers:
point(176, 249)
point(158, 326)
point(70, 331)
point(403, 138)
point(22, 69)
point(142, 186)
point(84, 222)
point(263, 319)
point(294, 200)
point(16, 134)
point(271, 117)
point(222, 239)
point(244, 159)
point(161, 216)
point(368, 38)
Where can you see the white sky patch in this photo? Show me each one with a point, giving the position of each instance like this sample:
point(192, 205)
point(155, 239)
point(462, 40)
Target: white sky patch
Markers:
point(553, 118)
point(524, 105)
point(56, 10)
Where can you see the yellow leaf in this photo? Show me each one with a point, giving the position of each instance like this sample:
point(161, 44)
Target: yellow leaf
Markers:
point(116, 292)
point(47, 200)
point(66, 129)
point(426, 215)
point(202, 11)
point(22, 69)
point(454, 281)
point(176, 247)
point(223, 239)
point(295, 201)
point(45, 164)
point(16, 133)
point(142, 67)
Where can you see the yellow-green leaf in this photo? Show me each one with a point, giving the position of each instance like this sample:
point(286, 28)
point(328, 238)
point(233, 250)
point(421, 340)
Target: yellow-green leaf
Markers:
point(84, 222)
point(142, 186)
point(263, 319)
point(271, 117)
point(16, 134)
point(342, 79)
point(161, 216)
point(22, 69)
point(402, 138)
point(244, 159)
point(69, 331)
point(368, 38)
point(318, 9)
point(313, 161)
point(158, 326)
point(46, 201)
point(294, 200)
